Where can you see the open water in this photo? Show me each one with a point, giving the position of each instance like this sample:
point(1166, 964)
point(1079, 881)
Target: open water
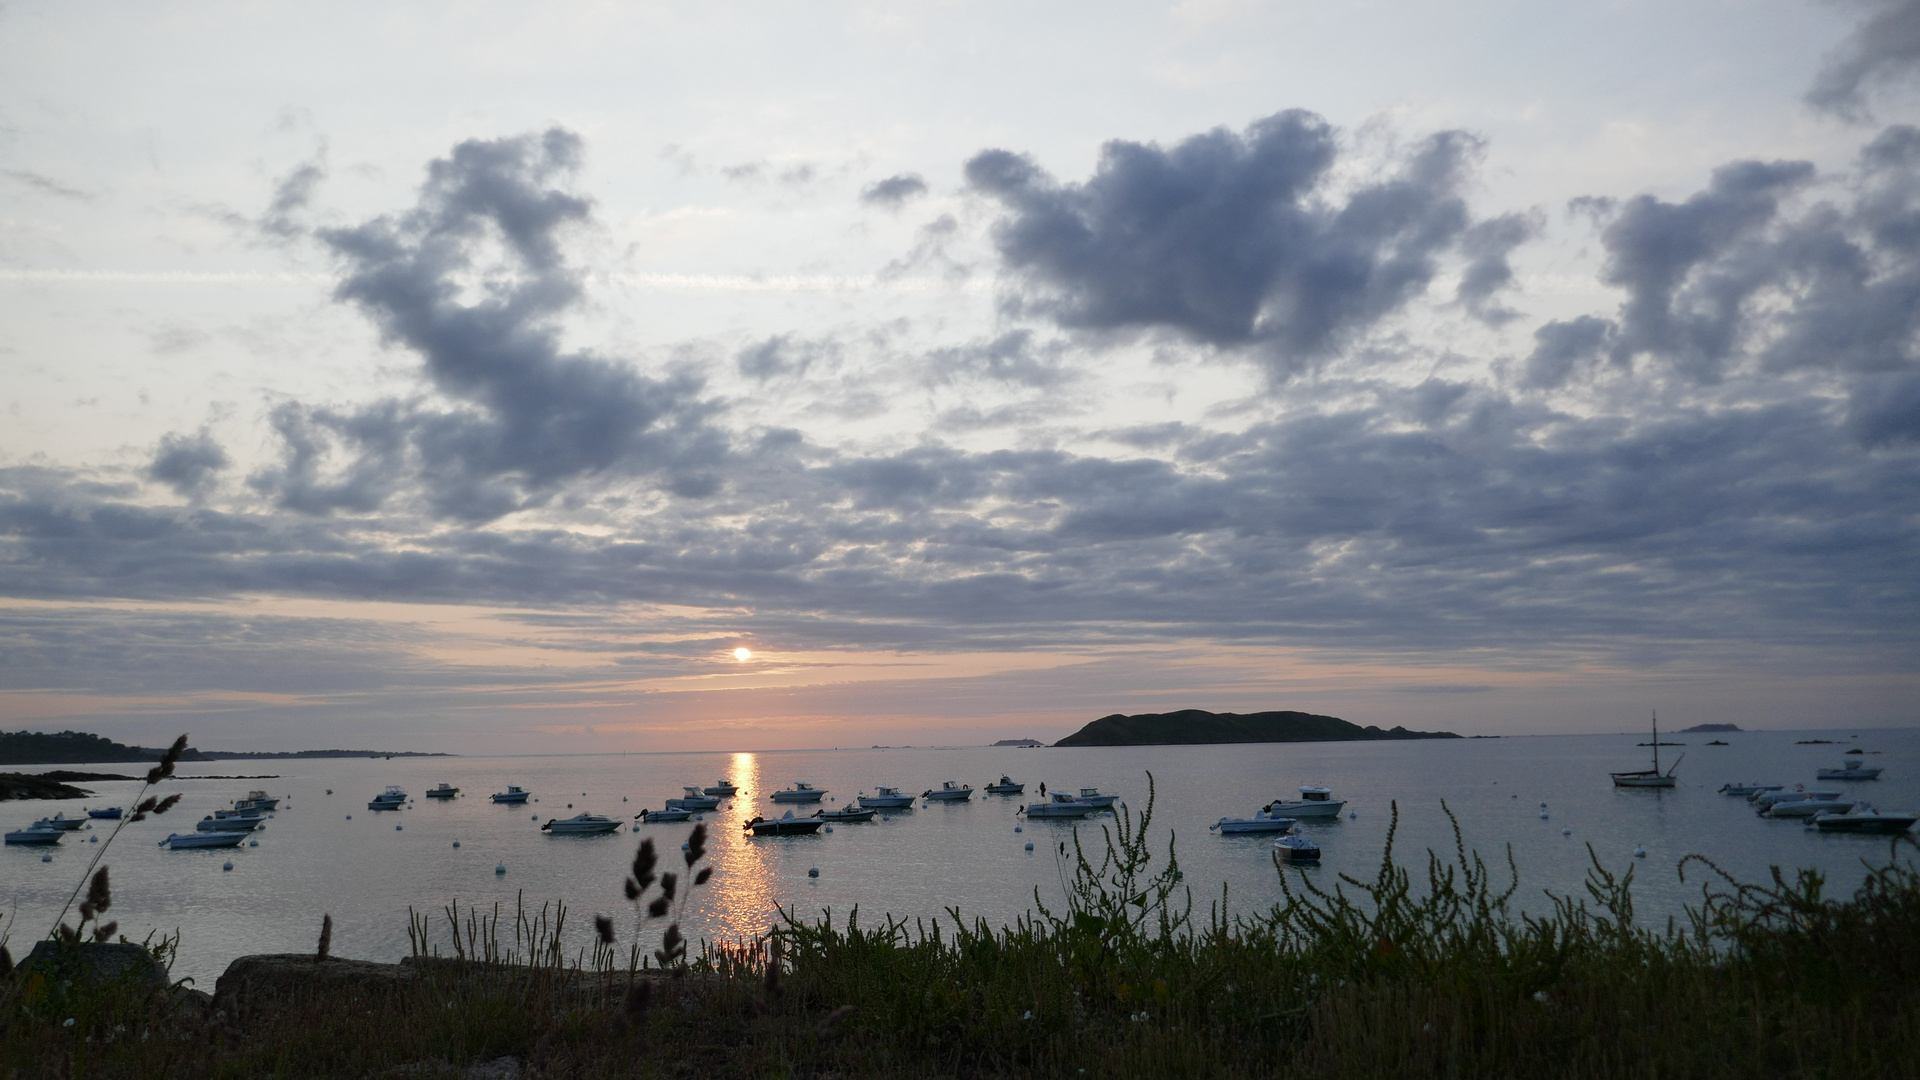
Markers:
point(328, 854)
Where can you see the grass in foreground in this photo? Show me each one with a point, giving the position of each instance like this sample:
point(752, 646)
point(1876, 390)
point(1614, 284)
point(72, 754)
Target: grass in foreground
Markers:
point(1369, 979)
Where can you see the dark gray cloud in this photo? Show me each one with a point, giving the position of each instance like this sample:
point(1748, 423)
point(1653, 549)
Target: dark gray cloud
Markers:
point(1013, 357)
point(894, 191)
point(291, 197)
point(187, 463)
point(1883, 50)
point(782, 355)
point(1488, 273)
point(1236, 240)
point(529, 415)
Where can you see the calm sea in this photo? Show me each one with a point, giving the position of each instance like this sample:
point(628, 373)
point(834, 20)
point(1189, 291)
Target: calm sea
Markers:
point(326, 853)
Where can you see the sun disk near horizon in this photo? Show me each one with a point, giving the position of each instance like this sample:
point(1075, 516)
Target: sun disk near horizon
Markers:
point(743, 654)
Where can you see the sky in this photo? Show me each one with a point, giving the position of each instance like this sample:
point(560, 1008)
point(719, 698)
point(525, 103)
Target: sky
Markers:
point(483, 377)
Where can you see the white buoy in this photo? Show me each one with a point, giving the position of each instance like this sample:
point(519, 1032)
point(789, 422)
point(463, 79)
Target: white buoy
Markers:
point(1639, 853)
point(623, 798)
point(686, 847)
point(533, 817)
point(1029, 845)
point(500, 869)
point(228, 865)
point(1543, 806)
point(813, 871)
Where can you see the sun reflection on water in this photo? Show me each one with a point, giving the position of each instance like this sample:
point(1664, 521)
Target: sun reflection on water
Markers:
point(741, 902)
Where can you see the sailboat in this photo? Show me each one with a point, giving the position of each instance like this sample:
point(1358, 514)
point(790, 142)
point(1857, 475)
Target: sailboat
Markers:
point(1649, 778)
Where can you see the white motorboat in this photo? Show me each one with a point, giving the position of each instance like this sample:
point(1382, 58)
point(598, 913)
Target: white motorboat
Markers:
point(724, 787)
point(580, 825)
point(1852, 770)
point(671, 813)
point(801, 791)
point(846, 813)
point(257, 800)
point(1005, 786)
point(62, 822)
point(1099, 801)
point(1806, 808)
point(177, 841)
point(1863, 818)
point(885, 798)
point(694, 799)
point(391, 799)
point(514, 795)
point(35, 835)
point(444, 791)
point(1296, 849)
point(1649, 778)
point(1061, 805)
point(109, 813)
point(1764, 799)
point(949, 791)
point(786, 825)
point(1314, 802)
point(1263, 820)
point(1744, 790)
point(240, 824)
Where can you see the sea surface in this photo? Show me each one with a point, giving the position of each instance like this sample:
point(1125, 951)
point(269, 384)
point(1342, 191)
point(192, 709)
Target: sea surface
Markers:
point(324, 852)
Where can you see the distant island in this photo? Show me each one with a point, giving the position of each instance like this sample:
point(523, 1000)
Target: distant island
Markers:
point(71, 747)
point(1198, 726)
point(1019, 742)
point(1709, 729)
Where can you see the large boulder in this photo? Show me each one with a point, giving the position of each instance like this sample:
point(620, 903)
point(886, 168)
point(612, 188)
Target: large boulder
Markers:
point(95, 961)
point(253, 978)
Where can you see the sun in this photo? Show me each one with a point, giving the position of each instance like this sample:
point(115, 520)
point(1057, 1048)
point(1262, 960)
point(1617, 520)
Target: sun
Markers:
point(743, 654)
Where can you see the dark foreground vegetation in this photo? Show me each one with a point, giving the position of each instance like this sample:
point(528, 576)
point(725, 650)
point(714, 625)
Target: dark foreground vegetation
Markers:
point(1401, 976)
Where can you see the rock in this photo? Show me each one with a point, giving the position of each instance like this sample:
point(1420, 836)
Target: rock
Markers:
point(500, 1068)
point(98, 961)
point(274, 974)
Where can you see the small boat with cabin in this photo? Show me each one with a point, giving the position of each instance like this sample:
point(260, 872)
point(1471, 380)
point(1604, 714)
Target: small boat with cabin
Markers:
point(1296, 849)
point(108, 813)
point(232, 822)
point(695, 799)
point(949, 791)
point(34, 836)
point(801, 791)
point(846, 813)
point(391, 799)
point(582, 824)
point(657, 817)
point(1264, 820)
point(514, 795)
point(1005, 786)
point(886, 797)
point(257, 800)
point(1863, 818)
point(724, 787)
point(1099, 801)
point(1853, 769)
point(1061, 805)
point(1314, 802)
point(444, 791)
point(786, 825)
point(1764, 799)
point(1649, 778)
point(62, 822)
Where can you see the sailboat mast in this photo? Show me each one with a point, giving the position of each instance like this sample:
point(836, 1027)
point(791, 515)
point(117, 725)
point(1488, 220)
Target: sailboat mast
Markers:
point(1656, 742)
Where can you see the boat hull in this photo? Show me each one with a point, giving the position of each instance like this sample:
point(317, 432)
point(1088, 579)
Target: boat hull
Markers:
point(1806, 808)
point(949, 796)
point(1636, 780)
point(797, 796)
point(886, 802)
point(701, 802)
point(1254, 825)
point(728, 790)
point(227, 825)
point(35, 837)
point(579, 828)
point(1058, 810)
point(514, 798)
point(1316, 809)
point(1847, 774)
point(181, 842)
point(786, 827)
point(663, 816)
point(1865, 823)
point(382, 804)
point(1294, 850)
point(65, 824)
point(846, 815)
point(109, 814)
